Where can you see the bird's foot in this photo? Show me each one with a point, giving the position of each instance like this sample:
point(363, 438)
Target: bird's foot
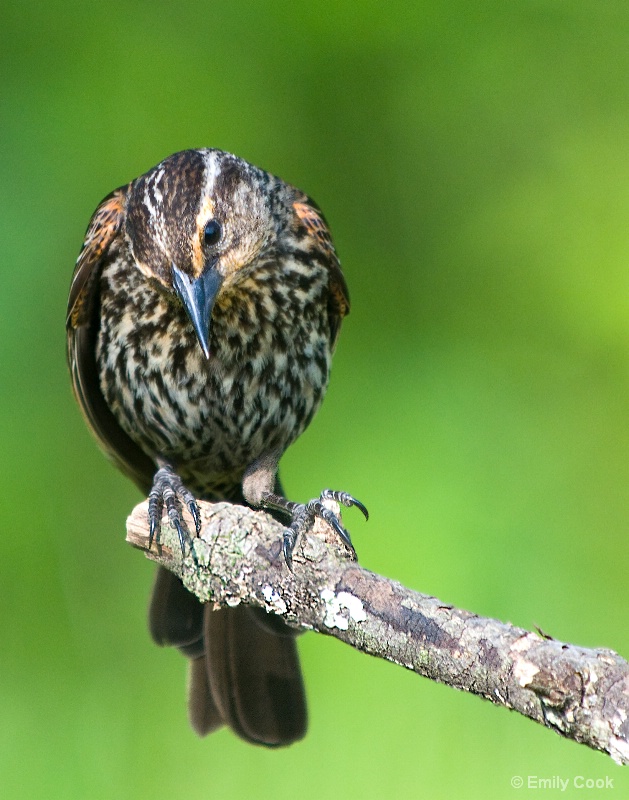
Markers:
point(168, 490)
point(304, 516)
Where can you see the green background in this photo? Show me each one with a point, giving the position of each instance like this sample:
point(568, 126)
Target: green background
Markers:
point(473, 162)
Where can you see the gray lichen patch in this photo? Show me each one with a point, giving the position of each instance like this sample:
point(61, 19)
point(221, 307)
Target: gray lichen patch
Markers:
point(341, 608)
point(274, 600)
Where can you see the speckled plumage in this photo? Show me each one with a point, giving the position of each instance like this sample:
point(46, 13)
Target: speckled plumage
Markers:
point(268, 369)
point(204, 232)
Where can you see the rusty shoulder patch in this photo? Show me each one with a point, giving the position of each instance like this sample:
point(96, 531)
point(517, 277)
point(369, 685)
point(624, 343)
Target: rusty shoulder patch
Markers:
point(101, 232)
point(315, 225)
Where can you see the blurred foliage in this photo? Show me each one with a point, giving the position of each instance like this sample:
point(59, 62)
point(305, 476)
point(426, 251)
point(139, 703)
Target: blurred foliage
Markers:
point(472, 160)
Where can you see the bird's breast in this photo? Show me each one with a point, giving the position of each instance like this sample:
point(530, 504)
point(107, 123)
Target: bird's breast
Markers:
point(266, 376)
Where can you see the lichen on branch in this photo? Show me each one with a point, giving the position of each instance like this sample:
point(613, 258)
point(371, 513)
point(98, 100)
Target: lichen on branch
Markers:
point(582, 694)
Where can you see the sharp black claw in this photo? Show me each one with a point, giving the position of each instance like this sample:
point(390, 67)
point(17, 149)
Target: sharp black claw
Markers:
point(194, 511)
point(345, 499)
point(168, 491)
point(360, 507)
point(182, 537)
point(303, 517)
point(152, 530)
point(288, 545)
point(333, 520)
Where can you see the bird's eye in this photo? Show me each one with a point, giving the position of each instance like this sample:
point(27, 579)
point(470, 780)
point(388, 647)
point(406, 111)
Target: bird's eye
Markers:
point(212, 233)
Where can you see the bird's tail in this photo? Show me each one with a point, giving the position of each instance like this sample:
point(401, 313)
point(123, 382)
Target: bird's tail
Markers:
point(244, 665)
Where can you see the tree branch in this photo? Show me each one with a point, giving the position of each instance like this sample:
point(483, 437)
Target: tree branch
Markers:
point(581, 694)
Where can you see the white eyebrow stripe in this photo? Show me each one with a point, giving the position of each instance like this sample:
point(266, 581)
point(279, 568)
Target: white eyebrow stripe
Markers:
point(212, 171)
point(153, 199)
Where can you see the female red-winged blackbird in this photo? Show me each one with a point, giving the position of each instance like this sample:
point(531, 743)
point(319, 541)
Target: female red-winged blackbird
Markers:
point(203, 313)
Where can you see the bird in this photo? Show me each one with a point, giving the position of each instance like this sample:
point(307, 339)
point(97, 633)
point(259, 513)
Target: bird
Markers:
point(203, 313)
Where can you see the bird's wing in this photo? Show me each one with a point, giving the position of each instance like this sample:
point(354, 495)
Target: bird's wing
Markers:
point(101, 235)
point(102, 240)
point(338, 299)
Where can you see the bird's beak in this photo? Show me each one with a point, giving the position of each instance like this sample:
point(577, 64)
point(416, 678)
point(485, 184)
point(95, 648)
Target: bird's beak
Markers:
point(198, 297)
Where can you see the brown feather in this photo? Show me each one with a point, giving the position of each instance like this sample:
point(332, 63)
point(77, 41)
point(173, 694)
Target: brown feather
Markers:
point(203, 714)
point(338, 301)
point(100, 237)
point(100, 243)
point(254, 677)
point(175, 615)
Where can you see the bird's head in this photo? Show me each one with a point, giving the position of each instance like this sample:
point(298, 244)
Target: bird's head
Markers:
point(197, 222)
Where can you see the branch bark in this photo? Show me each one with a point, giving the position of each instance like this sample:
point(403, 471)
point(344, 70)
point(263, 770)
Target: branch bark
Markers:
point(580, 693)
